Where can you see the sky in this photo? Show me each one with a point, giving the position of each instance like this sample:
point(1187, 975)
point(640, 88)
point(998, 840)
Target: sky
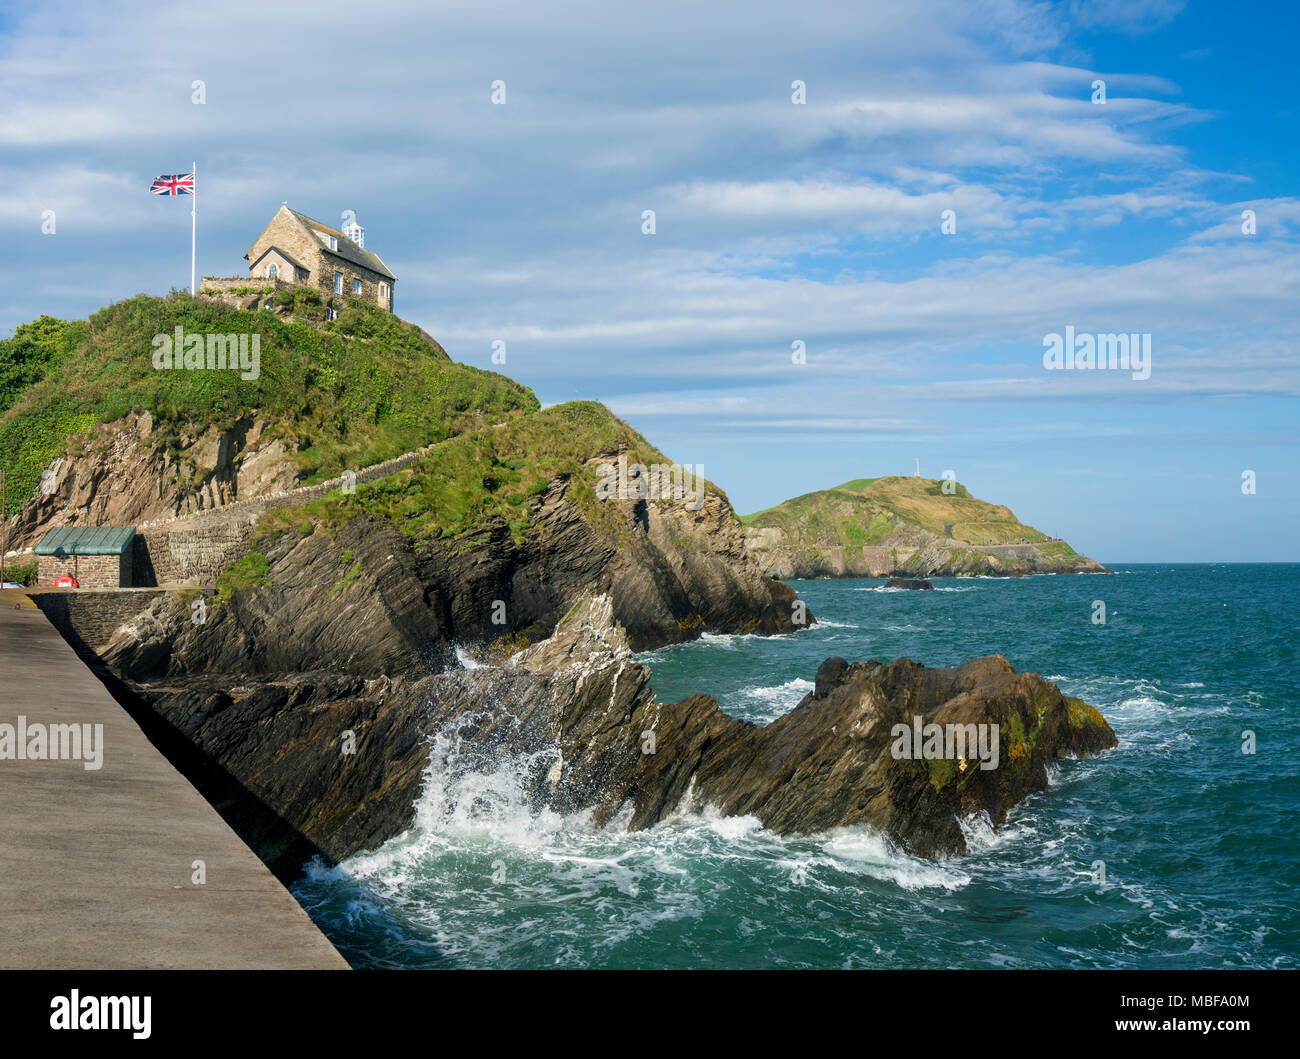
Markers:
point(779, 225)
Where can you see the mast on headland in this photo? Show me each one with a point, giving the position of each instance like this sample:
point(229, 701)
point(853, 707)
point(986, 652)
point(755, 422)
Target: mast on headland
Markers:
point(194, 222)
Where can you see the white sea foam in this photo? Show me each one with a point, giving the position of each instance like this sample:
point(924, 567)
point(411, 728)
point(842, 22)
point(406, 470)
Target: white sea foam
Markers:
point(466, 660)
point(918, 591)
point(728, 641)
point(980, 834)
point(769, 703)
point(862, 849)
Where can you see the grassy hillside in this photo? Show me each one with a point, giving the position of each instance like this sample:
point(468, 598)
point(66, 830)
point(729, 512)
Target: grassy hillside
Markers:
point(470, 481)
point(348, 392)
point(868, 511)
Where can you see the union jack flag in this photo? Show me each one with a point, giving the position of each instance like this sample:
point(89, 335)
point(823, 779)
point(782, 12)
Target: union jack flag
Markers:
point(176, 184)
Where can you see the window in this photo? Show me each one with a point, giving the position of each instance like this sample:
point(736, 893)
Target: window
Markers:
point(356, 286)
point(273, 271)
point(338, 282)
point(329, 240)
point(383, 294)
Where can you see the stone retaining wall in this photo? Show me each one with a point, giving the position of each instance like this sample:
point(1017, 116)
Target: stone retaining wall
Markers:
point(88, 618)
point(193, 549)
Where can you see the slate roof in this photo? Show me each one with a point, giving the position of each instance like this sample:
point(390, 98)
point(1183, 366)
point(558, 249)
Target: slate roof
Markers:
point(347, 249)
point(86, 540)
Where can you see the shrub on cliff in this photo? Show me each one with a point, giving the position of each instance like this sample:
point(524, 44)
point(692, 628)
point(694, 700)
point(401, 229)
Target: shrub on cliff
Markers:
point(26, 357)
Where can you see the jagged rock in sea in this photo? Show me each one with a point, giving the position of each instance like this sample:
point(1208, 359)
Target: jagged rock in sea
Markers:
point(909, 583)
point(320, 761)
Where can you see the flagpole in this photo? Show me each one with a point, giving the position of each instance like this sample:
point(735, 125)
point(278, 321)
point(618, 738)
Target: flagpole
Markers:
point(194, 223)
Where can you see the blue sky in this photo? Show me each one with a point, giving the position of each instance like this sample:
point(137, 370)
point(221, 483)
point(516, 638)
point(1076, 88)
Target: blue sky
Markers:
point(775, 222)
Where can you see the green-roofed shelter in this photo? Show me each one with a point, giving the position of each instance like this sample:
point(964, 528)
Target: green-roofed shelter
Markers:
point(95, 556)
point(86, 540)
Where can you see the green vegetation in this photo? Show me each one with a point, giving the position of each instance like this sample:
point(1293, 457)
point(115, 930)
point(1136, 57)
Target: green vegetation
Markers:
point(21, 573)
point(27, 357)
point(897, 512)
point(279, 521)
point(1082, 715)
point(493, 476)
point(867, 510)
point(942, 772)
point(253, 570)
point(346, 393)
point(240, 292)
point(1021, 744)
point(341, 585)
point(1057, 551)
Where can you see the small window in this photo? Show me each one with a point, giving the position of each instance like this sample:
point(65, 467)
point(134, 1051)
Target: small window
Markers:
point(383, 294)
point(356, 286)
point(273, 271)
point(338, 282)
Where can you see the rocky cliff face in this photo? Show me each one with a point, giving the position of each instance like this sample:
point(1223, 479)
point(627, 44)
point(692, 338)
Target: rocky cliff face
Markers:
point(332, 762)
point(367, 599)
point(125, 473)
point(905, 556)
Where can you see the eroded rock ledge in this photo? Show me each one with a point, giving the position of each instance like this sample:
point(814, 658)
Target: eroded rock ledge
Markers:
point(578, 711)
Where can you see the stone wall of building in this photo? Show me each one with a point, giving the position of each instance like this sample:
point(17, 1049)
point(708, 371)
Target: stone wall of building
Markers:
point(286, 234)
point(91, 571)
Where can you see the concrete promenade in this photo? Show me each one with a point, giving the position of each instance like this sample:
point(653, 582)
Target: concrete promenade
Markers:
point(97, 865)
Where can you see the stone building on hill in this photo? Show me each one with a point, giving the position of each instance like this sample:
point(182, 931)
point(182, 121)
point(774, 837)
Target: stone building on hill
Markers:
point(294, 249)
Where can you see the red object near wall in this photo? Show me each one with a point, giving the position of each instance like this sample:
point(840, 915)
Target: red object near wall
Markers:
point(66, 581)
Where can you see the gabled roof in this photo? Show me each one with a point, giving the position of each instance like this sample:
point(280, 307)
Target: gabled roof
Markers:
point(288, 257)
point(86, 540)
point(347, 249)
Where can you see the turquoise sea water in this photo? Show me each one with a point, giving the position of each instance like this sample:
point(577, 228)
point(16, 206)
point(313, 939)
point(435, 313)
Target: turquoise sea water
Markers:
point(1200, 842)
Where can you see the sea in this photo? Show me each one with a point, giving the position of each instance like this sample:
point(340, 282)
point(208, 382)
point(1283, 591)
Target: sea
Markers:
point(1178, 849)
